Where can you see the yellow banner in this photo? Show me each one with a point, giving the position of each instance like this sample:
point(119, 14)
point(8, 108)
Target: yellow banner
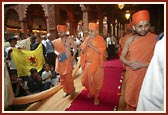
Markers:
point(26, 59)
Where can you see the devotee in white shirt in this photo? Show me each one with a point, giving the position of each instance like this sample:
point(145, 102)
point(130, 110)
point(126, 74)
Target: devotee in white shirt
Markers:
point(151, 96)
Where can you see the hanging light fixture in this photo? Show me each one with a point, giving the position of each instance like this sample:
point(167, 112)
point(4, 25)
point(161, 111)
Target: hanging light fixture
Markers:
point(127, 14)
point(121, 6)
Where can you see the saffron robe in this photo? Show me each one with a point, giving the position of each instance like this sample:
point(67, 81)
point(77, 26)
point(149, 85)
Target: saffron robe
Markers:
point(140, 49)
point(64, 68)
point(92, 65)
point(151, 96)
point(122, 42)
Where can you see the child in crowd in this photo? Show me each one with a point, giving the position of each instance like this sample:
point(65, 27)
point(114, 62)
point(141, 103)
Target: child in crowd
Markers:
point(46, 76)
point(34, 82)
point(17, 85)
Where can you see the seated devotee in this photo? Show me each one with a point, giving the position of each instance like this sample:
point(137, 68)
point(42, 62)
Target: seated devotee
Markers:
point(17, 85)
point(46, 77)
point(34, 82)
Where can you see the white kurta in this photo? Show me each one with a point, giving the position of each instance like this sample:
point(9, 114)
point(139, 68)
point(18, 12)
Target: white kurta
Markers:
point(151, 96)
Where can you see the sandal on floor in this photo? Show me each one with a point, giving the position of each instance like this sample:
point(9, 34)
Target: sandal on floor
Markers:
point(65, 95)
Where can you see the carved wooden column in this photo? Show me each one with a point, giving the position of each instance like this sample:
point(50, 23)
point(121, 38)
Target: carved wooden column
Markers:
point(71, 21)
point(22, 15)
point(24, 27)
point(30, 25)
point(85, 20)
point(51, 25)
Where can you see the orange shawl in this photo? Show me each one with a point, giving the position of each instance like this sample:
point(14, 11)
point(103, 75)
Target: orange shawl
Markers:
point(141, 50)
point(122, 42)
point(91, 55)
point(93, 72)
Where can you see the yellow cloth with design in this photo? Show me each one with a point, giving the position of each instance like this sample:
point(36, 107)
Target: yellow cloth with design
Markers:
point(26, 59)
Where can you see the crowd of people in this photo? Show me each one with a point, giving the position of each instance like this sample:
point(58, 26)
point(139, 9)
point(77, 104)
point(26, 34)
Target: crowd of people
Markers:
point(38, 80)
point(135, 49)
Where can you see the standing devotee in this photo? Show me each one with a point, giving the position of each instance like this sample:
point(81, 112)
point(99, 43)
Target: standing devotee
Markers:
point(92, 58)
point(50, 55)
point(151, 97)
point(109, 46)
point(36, 44)
point(9, 58)
point(64, 59)
point(136, 55)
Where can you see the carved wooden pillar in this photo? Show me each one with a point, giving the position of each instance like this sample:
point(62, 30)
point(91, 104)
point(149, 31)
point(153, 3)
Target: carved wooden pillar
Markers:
point(71, 21)
point(24, 27)
point(85, 20)
point(30, 24)
point(22, 16)
point(51, 25)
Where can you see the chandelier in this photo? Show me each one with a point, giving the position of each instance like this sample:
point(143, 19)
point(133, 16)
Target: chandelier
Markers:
point(127, 14)
point(121, 6)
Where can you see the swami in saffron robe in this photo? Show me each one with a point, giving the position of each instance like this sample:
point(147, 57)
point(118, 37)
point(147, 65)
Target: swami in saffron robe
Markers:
point(151, 96)
point(140, 49)
point(64, 68)
point(92, 65)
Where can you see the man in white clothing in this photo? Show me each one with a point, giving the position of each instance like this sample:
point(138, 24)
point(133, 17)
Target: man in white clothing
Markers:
point(151, 96)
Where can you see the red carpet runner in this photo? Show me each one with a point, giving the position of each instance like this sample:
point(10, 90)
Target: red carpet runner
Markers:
point(109, 98)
